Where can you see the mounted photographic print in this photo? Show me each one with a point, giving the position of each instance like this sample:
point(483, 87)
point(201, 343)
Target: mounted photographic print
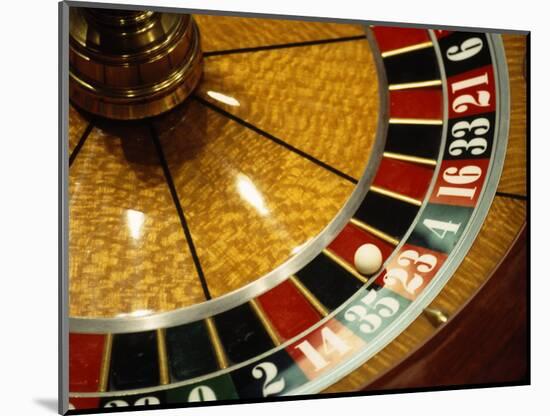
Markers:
point(259, 207)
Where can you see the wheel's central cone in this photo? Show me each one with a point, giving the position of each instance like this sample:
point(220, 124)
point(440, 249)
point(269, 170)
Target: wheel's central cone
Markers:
point(132, 64)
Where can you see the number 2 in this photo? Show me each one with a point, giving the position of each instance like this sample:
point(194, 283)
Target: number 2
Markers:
point(269, 371)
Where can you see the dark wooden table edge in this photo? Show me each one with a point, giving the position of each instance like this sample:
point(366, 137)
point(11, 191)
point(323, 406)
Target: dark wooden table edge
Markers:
point(436, 364)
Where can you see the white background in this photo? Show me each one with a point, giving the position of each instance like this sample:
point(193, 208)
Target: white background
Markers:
point(28, 204)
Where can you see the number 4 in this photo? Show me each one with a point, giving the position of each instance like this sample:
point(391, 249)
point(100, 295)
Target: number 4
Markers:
point(441, 228)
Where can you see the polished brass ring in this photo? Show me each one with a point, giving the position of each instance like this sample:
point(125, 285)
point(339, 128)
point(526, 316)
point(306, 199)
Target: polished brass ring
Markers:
point(125, 74)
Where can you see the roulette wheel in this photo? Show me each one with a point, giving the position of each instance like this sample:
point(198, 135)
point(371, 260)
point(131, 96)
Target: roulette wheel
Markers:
point(224, 189)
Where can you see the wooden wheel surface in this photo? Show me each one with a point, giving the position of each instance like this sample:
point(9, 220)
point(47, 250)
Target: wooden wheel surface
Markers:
point(212, 247)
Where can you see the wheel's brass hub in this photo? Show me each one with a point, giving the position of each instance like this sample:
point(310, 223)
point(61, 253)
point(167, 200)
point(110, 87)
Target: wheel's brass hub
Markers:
point(132, 64)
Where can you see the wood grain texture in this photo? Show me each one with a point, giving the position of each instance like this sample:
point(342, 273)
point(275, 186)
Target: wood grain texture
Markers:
point(77, 125)
point(220, 33)
point(505, 219)
point(210, 157)
point(321, 99)
point(513, 179)
point(249, 202)
point(127, 251)
point(495, 320)
point(501, 227)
